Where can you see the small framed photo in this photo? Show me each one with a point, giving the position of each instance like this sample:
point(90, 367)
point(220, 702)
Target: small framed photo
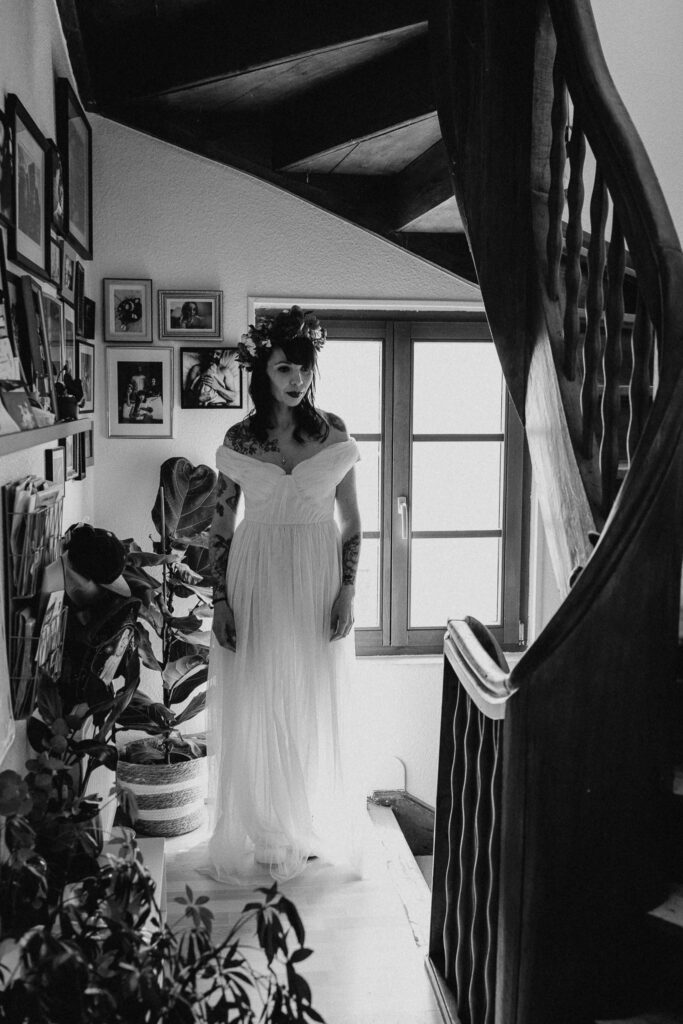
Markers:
point(15, 407)
point(88, 318)
point(139, 391)
point(87, 453)
point(55, 188)
point(68, 274)
point(191, 314)
point(36, 357)
point(70, 449)
point(54, 325)
point(85, 371)
point(74, 139)
point(210, 378)
point(56, 259)
point(70, 342)
point(79, 297)
point(6, 168)
point(29, 235)
point(127, 307)
point(55, 465)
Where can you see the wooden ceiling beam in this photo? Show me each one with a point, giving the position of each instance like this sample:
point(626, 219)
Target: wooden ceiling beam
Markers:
point(148, 47)
point(366, 102)
point(421, 187)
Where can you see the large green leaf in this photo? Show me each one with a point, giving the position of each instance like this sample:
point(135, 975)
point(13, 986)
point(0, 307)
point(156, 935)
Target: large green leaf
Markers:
point(189, 500)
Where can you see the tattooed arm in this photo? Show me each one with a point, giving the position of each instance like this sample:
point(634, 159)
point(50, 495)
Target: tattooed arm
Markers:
point(349, 521)
point(220, 539)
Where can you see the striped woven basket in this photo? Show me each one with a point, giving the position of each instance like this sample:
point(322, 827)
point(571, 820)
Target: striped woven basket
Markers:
point(170, 797)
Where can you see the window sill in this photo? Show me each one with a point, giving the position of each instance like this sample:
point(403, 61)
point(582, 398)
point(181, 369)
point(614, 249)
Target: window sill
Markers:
point(23, 439)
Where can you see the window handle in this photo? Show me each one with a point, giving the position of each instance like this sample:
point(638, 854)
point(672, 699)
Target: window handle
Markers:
point(402, 505)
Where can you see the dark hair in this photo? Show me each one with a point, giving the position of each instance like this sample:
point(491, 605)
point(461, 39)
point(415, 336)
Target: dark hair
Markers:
point(298, 348)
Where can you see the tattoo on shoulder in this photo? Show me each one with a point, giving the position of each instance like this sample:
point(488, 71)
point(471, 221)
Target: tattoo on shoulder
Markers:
point(241, 439)
point(336, 421)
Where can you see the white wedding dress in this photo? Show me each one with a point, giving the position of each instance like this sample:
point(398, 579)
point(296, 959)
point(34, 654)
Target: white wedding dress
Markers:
point(278, 761)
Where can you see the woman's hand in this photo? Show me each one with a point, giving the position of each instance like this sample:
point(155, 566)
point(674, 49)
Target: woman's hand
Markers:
point(342, 614)
point(224, 625)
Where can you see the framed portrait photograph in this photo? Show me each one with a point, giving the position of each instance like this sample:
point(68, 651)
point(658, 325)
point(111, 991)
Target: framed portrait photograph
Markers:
point(56, 259)
point(87, 449)
point(55, 187)
point(127, 305)
point(69, 341)
point(190, 314)
point(210, 378)
point(68, 284)
point(85, 371)
point(29, 235)
point(55, 465)
point(54, 326)
point(74, 139)
point(36, 357)
point(79, 298)
point(139, 391)
point(15, 406)
point(69, 446)
point(6, 168)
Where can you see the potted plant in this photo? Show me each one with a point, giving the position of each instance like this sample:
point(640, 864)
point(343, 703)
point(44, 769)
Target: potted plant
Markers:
point(161, 778)
point(95, 947)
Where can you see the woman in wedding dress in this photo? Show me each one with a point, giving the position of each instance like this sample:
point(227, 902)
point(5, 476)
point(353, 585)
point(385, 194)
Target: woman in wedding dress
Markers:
point(282, 648)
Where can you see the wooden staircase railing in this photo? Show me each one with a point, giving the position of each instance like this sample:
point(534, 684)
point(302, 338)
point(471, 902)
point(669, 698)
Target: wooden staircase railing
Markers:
point(567, 787)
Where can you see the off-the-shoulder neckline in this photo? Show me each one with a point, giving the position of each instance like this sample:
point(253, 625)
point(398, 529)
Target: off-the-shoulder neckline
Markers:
point(262, 462)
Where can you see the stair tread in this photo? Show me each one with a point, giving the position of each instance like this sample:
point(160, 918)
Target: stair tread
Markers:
point(671, 910)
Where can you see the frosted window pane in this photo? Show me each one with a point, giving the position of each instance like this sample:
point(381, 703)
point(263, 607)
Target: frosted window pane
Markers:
point(350, 383)
point(457, 485)
point(366, 604)
point(454, 577)
point(458, 388)
point(368, 477)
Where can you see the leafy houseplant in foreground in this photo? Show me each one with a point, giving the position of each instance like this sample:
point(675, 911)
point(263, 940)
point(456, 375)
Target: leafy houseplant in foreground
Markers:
point(96, 951)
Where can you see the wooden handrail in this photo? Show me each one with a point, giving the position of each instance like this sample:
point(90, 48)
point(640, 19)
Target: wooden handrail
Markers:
point(486, 680)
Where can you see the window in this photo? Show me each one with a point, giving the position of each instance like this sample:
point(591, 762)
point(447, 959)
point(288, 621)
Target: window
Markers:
point(440, 480)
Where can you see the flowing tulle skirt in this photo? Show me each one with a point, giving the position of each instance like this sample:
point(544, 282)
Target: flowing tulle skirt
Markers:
point(281, 788)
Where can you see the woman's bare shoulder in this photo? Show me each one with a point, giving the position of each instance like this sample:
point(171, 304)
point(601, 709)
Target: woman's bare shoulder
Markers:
point(338, 431)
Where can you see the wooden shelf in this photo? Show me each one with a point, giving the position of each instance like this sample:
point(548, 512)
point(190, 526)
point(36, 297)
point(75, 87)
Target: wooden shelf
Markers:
point(23, 439)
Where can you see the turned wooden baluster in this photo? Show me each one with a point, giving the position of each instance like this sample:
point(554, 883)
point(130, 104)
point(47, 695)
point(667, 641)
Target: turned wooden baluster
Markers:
point(575, 196)
point(467, 856)
point(451, 884)
point(612, 359)
point(594, 308)
point(640, 385)
point(558, 158)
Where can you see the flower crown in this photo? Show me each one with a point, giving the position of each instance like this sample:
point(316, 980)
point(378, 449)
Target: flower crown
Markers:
point(259, 336)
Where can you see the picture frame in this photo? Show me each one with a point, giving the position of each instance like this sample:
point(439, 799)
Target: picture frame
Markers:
point(79, 297)
point(89, 309)
point(85, 371)
point(68, 274)
point(56, 259)
point(87, 452)
point(6, 168)
point(54, 326)
point(127, 309)
point(139, 389)
point(70, 365)
point(55, 465)
point(70, 449)
point(55, 187)
point(210, 378)
point(29, 235)
point(74, 139)
point(36, 357)
point(15, 406)
point(193, 313)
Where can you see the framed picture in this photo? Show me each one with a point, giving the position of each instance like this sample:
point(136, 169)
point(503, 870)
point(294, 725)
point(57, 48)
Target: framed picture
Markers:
point(74, 139)
point(79, 297)
point(88, 318)
point(30, 230)
point(85, 371)
point(54, 326)
point(55, 188)
point(36, 357)
point(69, 342)
point(68, 274)
point(6, 168)
point(139, 391)
point(15, 406)
point(127, 307)
point(210, 378)
point(56, 259)
point(55, 465)
point(87, 449)
point(191, 314)
point(70, 449)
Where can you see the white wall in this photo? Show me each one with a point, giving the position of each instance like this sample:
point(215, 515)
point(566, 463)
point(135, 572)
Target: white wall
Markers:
point(32, 54)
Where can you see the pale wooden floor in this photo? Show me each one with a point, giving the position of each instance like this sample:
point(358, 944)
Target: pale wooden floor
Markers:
point(368, 936)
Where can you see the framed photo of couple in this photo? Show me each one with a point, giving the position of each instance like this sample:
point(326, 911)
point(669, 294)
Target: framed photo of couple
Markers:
point(139, 391)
